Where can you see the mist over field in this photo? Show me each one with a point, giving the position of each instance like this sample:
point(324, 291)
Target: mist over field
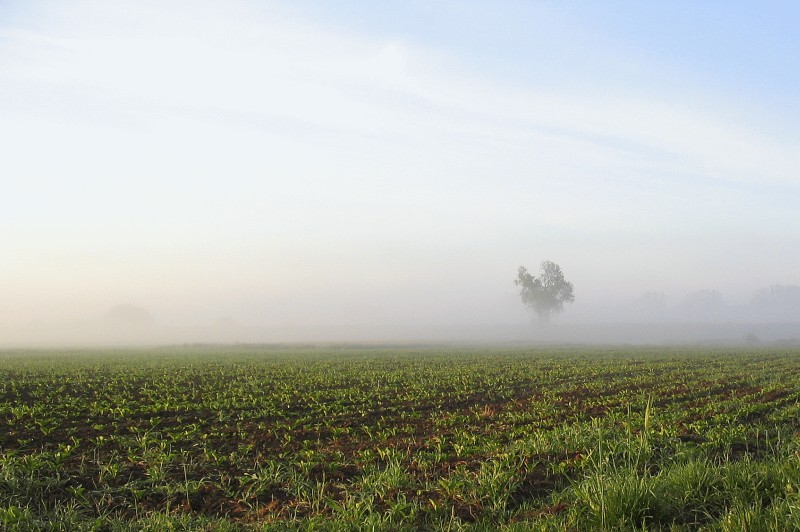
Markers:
point(297, 172)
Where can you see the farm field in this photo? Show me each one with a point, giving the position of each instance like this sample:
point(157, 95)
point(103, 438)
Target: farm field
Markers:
point(248, 438)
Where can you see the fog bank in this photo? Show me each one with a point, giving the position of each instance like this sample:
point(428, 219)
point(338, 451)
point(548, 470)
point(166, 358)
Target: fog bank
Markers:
point(255, 171)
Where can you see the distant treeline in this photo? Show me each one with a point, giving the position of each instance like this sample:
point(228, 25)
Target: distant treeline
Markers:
point(777, 303)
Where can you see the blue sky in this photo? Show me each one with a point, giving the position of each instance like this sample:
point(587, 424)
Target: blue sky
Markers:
point(318, 163)
point(738, 48)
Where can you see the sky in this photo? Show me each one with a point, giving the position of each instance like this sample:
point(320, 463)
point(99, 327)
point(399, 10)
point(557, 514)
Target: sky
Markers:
point(309, 165)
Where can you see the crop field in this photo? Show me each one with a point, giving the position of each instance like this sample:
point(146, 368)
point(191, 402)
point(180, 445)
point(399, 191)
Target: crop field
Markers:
point(246, 438)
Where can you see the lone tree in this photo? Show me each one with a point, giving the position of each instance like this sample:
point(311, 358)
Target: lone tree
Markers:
point(547, 293)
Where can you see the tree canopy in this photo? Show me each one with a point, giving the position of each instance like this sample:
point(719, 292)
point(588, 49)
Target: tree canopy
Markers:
point(547, 293)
